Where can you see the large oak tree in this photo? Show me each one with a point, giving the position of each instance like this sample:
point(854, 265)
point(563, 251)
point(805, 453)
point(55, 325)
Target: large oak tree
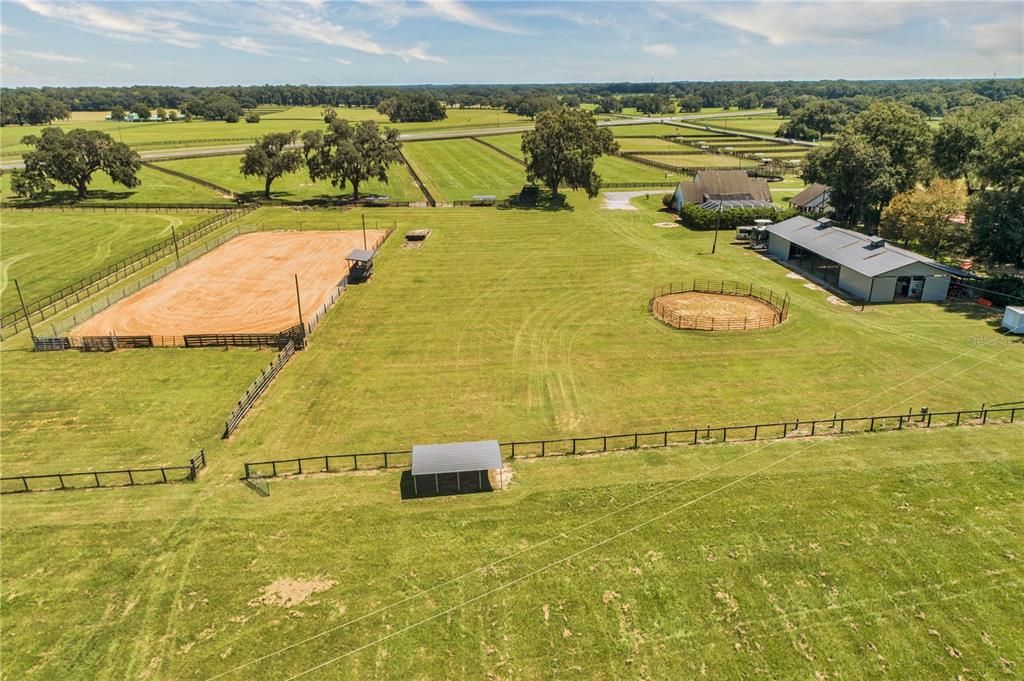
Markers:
point(562, 148)
point(73, 158)
point(270, 158)
point(351, 154)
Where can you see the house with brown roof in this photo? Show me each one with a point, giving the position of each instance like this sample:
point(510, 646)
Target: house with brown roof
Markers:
point(725, 188)
point(813, 199)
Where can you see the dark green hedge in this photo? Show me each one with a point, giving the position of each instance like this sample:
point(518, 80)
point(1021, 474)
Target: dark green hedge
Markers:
point(695, 217)
point(1004, 289)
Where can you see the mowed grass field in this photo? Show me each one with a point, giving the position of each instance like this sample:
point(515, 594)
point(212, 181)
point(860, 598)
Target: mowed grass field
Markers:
point(761, 125)
point(610, 168)
point(706, 161)
point(224, 171)
point(172, 134)
point(894, 555)
point(520, 324)
point(47, 250)
point(156, 187)
point(458, 170)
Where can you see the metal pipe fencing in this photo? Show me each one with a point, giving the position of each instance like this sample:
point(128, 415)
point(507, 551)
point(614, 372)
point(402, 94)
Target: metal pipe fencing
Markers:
point(664, 312)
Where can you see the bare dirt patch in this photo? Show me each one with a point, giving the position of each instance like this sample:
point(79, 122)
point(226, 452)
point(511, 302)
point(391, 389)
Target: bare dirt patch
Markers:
point(695, 304)
point(666, 225)
point(246, 285)
point(287, 592)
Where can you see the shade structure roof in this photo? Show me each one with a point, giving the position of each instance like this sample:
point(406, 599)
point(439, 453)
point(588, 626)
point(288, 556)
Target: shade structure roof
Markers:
point(857, 251)
point(455, 457)
point(360, 255)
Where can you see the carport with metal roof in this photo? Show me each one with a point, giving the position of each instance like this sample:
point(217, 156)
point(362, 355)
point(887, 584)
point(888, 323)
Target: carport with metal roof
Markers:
point(458, 458)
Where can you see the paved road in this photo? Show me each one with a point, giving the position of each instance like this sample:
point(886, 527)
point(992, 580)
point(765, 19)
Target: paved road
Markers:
point(231, 150)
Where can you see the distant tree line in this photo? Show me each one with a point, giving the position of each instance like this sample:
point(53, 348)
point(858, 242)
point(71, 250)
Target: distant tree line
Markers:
point(929, 96)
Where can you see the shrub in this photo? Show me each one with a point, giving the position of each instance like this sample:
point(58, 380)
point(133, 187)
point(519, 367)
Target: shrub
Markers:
point(666, 200)
point(252, 117)
point(231, 117)
point(1003, 289)
point(695, 217)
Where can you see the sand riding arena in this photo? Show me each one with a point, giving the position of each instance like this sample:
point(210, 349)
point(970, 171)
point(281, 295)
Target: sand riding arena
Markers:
point(245, 286)
point(703, 305)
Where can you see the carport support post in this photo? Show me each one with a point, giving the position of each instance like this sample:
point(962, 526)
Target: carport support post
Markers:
point(24, 310)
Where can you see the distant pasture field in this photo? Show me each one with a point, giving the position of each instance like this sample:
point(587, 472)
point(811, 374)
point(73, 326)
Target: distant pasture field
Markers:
point(458, 170)
point(178, 134)
point(705, 161)
point(224, 171)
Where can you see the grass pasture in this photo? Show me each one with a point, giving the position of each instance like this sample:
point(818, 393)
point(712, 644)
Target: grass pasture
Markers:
point(761, 125)
point(660, 564)
point(546, 333)
point(223, 170)
point(705, 161)
point(458, 170)
point(46, 250)
point(648, 144)
point(178, 134)
point(894, 554)
point(156, 187)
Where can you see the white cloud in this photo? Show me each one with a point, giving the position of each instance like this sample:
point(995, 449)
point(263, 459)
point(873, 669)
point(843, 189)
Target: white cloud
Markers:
point(319, 29)
point(784, 23)
point(346, 62)
point(51, 56)
point(663, 50)
point(123, 26)
point(459, 12)
point(1002, 41)
point(246, 44)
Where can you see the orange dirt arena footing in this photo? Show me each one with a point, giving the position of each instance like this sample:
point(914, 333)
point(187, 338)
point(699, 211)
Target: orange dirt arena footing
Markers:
point(246, 285)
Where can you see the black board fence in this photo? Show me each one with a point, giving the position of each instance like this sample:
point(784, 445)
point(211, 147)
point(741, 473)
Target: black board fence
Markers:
point(118, 207)
point(501, 151)
point(125, 477)
point(419, 182)
point(73, 294)
point(595, 444)
point(257, 388)
point(193, 179)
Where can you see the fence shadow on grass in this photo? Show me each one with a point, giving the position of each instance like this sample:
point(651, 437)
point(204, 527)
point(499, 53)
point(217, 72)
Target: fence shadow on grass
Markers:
point(448, 484)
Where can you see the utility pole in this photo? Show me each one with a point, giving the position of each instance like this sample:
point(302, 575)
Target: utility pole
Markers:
point(298, 303)
point(24, 310)
point(718, 225)
point(174, 238)
point(363, 215)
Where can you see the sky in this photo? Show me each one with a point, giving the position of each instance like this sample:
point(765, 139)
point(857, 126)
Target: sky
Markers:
point(393, 42)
